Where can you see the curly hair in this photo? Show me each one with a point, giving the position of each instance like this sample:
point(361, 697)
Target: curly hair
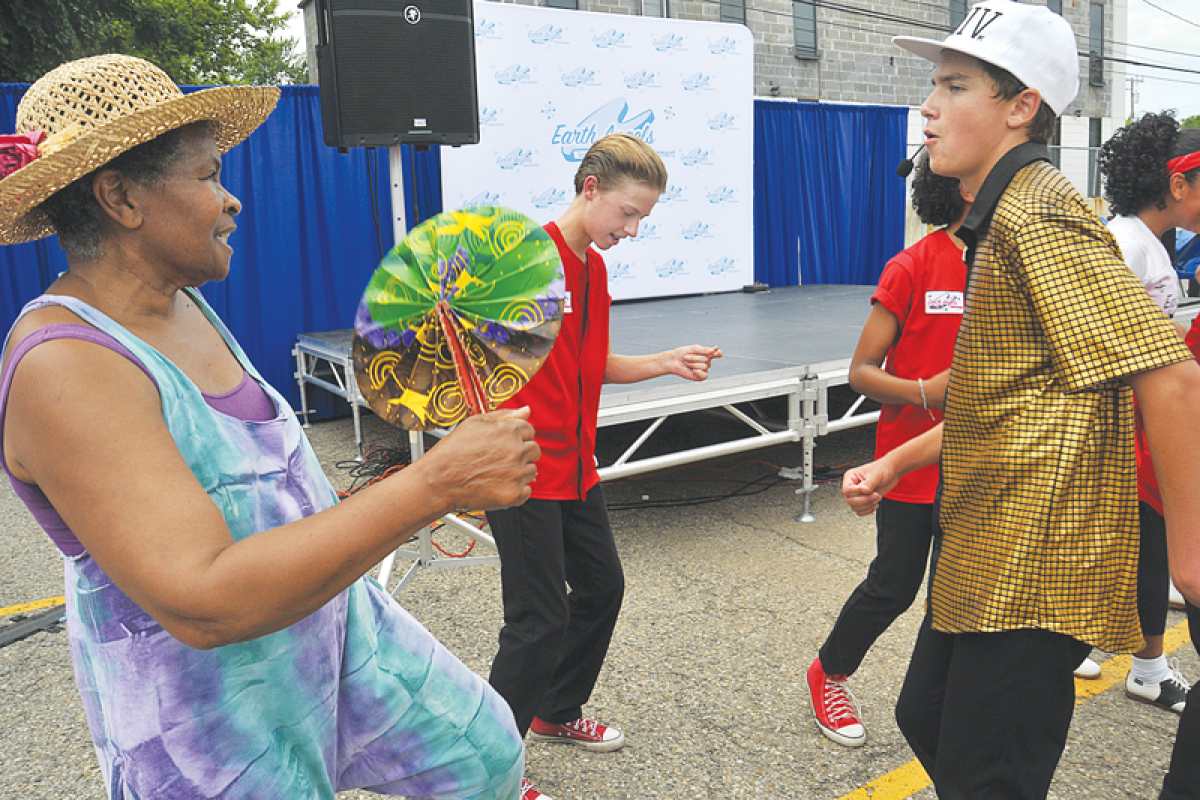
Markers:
point(936, 199)
point(1134, 162)
point(74, 211)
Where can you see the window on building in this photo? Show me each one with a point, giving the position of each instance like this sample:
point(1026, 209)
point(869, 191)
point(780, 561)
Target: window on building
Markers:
point(958, 12)
point(733, 11)
point(1056, 144)
point(1055, 6)
point(804, 23)
point(574, 4)
point(1094, 142)
point(1096, 45)
point(655, 8)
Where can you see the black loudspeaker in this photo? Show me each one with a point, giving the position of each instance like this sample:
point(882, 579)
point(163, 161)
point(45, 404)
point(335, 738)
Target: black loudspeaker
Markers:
point(397, 72)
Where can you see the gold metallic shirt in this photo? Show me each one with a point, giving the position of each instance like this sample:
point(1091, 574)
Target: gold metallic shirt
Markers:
point(1039, 492)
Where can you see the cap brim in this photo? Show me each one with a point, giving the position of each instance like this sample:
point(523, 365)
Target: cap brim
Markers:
point(930, 49)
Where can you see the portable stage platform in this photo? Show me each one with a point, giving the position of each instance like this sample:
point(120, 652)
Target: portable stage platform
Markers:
point(793, 342)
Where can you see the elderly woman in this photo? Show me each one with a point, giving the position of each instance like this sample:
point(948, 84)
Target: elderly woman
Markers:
point(224, 641)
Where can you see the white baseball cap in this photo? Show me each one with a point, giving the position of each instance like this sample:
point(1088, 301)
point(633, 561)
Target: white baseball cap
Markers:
point(1032, 42)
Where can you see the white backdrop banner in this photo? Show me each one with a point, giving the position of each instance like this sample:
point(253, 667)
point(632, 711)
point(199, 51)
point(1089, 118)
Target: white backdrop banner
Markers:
point(552, 82)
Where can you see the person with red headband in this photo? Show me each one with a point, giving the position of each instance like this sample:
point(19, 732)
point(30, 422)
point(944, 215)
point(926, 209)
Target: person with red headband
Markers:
point(1151, 171)
point(1145, 167)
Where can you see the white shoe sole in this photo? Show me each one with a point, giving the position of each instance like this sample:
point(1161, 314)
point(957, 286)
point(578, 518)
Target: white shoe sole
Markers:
point(595, 747)
point(842, 739)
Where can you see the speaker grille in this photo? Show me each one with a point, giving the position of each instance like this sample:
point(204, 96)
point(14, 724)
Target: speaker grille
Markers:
point(403, 71)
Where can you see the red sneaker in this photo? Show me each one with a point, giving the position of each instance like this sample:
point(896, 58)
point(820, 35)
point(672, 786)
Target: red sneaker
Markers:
point(530, 793)
point(586, 733)
point(835, 708)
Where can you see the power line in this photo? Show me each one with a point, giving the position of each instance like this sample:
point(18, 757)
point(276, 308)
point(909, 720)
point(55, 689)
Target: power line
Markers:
point(1171, 13)
point(860, 12)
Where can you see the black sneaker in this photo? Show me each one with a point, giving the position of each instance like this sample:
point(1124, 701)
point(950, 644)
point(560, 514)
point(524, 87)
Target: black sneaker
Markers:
point(1171, 694)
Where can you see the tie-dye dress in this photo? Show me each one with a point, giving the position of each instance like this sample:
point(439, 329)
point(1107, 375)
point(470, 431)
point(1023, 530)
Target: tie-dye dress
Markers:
point(358, 694)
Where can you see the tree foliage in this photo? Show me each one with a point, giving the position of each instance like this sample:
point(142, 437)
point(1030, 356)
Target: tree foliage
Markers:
point(194, 41)
point(1191, 122)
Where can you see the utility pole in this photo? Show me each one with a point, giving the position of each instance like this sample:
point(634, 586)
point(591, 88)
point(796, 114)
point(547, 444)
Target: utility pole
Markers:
point(1133, 81)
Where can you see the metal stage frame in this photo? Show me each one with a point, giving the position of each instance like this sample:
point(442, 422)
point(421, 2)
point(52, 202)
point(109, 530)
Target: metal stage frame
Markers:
point(794, 342)
point(763, 337)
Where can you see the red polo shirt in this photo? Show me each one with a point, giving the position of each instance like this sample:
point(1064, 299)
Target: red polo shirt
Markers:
point(923, 288)
point(1148, 488)
point(564, 395)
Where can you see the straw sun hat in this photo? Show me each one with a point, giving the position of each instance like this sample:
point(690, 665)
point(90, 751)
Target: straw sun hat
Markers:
point(85, 113)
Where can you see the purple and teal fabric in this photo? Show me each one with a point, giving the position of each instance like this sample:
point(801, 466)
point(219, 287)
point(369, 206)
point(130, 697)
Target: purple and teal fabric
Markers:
point(357, 695)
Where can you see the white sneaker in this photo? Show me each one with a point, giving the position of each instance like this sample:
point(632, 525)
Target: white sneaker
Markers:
point(1176, 599)
point(1088, 670)
point(1171, 694)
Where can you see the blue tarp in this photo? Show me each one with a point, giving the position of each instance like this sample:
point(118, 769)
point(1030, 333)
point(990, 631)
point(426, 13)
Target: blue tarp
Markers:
point(828, 208)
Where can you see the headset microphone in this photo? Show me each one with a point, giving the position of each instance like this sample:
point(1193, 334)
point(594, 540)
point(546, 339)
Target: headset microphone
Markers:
point(905, 167)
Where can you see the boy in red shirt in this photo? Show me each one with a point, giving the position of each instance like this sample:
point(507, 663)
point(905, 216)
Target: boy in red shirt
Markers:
point(554, 642)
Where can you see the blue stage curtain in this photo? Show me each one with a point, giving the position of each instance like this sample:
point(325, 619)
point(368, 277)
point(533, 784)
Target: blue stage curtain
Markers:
point(828, 206)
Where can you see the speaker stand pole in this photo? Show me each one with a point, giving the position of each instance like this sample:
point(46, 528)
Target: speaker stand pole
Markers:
point(424, 556)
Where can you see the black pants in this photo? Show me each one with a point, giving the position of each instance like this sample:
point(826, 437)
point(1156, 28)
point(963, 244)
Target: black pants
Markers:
point(1154, 573)
point(553, 642)
point(902, 535)
point(1183, 780)
point(987, 714)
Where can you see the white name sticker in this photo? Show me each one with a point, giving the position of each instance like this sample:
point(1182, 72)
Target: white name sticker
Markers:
point(943, 302)
point(567, 303)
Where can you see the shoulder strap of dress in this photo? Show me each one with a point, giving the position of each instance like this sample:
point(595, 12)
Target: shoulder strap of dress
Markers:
point(60, 330)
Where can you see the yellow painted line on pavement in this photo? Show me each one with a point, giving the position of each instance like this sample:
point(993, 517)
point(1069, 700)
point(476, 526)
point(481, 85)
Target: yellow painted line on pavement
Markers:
point(903, 782)
point(911, 778)
point(34, 606)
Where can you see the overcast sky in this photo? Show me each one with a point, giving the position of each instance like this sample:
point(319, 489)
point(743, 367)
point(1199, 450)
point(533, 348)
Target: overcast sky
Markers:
point(1172, 25)
point(1151, 25)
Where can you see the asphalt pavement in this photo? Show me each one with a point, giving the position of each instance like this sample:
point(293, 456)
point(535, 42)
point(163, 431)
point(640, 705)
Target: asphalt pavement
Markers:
point(728, 599)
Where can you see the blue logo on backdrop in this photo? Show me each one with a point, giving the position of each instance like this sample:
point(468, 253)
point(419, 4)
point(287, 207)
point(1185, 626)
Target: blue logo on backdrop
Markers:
point(513, 74)
point(550, 197)
point(721, 194)
point(697, 230)
point(489, 117)
point(610, 38)
point(695, 82)
point(484, 198)
point(515, 159)
point(547, 34)
point(580, 76)
point(673, 194)
point(612, 117)
point(726, 44)
point(671, 41)
point(617, 271)
point(669, 267)
point(722, 265)
point(719, 122)
point(695, 157)
point(640, 80)
point(646, 231)
point(548, 110)
point(485, 29)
